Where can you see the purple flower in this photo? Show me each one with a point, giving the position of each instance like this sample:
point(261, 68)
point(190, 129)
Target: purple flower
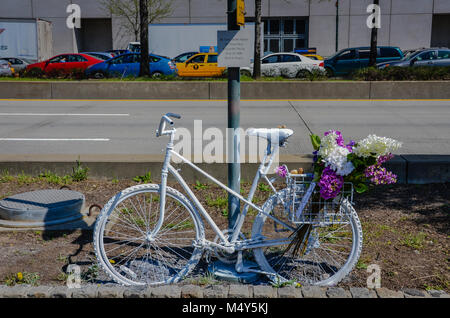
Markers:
point(339, 139)
point(330, 184)
point(316, 157)
point(281, 171)
point(383, 159)
point(379, 175)
point(350, 145)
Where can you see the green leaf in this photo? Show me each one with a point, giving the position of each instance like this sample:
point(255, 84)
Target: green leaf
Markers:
point(361, 188)
point(315, 140)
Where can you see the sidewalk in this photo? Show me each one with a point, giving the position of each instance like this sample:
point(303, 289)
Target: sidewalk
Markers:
point(211, 291)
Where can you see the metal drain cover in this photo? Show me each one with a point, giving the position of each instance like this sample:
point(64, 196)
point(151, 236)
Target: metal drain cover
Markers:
point(41, 208)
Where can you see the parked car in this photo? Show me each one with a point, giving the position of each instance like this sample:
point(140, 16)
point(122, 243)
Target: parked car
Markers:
point(289, 65)
point(314, 57)
point(129, 65)
point(199, 65)
point(100, 55)
point(65, 63)
point(351, 59)
point(117, 52)
point(134, 47)
point(19, 64)
point(5, 68)
point(426, 57)
point(183, 57)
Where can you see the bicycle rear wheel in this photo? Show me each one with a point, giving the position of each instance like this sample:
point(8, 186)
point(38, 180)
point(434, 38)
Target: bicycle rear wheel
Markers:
point(331, 252)
point(128, 249)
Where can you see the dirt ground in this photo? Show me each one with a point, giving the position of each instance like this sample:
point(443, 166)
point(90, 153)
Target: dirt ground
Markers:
point(406, 232)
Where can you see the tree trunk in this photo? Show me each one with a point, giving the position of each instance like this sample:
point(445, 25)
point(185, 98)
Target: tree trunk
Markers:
point(373, 42)
point(143, 10)
point(257, 52)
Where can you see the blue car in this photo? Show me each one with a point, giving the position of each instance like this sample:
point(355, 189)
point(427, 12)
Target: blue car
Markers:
point(348, 60)
point(129, 65)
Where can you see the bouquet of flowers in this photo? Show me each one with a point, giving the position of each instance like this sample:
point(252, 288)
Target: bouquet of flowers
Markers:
point(336, 162)
point(357, 162)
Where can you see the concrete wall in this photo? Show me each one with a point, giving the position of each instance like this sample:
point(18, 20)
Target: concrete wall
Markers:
point(218, 90)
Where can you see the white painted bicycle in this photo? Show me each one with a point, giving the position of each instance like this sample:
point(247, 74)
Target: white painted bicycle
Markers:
point(152, 234)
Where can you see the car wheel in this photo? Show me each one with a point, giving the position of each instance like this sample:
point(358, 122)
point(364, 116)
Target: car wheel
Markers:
point(303, 73)
point(329, 71)
point(246, 73)
point(156, 74)
point(99, 75)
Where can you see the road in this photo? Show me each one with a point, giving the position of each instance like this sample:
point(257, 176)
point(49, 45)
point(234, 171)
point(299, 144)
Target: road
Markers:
point(32, 127)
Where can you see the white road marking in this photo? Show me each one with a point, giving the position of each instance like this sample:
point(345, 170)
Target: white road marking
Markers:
point(54, 139)
point(58, 114)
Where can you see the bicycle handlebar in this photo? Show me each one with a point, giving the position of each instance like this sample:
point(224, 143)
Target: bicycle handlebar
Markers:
point(162, 124)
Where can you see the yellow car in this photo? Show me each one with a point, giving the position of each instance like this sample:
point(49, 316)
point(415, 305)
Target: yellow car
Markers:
point(199, 65)
point(314, 57)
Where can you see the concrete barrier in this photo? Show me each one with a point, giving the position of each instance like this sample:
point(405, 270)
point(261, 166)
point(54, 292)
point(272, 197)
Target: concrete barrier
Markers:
point(19, 90)
point(295, 90)
point(427, 168)
point(218, 90)
point(410, 90)
point(130, 90)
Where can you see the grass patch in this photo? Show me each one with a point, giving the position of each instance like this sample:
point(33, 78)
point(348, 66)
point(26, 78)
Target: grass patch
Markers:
point(22, 278)
point(146, 178)
point(415, 241)
point(200, 186)
point(219, 202)
point(79, 173)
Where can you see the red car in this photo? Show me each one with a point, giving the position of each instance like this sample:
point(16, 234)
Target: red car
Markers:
point(66, 63)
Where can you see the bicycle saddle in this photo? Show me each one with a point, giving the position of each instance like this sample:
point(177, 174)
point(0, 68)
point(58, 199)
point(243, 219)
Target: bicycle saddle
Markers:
point(279, 135)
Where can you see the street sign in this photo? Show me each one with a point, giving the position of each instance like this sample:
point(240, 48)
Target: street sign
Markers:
point(240, 12)
point(235, 48)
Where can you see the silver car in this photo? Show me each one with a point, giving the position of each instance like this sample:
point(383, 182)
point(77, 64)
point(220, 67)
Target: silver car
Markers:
point(19, 64)
point(426, 57)
point(5, 68)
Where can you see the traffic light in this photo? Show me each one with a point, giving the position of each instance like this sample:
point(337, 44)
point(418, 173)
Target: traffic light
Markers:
point(240, 12)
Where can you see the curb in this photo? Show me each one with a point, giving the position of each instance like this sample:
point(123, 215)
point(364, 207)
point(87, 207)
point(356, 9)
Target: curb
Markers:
point(410, 168)
point(211, 291)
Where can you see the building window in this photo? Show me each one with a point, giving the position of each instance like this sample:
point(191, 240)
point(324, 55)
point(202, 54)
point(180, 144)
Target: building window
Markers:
point(285, 34)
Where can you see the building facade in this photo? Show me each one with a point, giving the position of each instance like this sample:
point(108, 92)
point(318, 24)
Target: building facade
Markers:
point(288, 24)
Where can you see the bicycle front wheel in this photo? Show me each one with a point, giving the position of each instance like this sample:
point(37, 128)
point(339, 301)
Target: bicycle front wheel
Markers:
point(329, 254)
point(132, 253)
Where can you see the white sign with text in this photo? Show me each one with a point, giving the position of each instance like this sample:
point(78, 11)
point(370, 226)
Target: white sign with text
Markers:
point(235, 48)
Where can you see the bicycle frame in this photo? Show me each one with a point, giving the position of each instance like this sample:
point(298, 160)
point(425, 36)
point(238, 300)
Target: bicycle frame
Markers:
point(228, 244)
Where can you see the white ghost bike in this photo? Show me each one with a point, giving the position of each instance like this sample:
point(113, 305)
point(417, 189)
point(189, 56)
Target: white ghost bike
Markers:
point(152, 234)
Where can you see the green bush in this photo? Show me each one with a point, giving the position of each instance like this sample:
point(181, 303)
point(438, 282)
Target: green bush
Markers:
point(79, 173)
point(394, 73)
point(76, 74)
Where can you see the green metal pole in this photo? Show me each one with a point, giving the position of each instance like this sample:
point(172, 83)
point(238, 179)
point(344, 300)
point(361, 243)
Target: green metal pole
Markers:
point(337, 25)
point(234, 96)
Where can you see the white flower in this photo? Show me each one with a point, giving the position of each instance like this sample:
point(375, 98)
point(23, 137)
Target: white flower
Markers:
point(337, 160)
point(374, 145)
point(327, 145)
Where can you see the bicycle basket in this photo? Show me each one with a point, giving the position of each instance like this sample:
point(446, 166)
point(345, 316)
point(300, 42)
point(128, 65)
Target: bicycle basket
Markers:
point(306, 206)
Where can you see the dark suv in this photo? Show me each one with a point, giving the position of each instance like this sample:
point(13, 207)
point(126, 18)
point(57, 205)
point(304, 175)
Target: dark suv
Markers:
point(424, 57)
point(351, 59)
